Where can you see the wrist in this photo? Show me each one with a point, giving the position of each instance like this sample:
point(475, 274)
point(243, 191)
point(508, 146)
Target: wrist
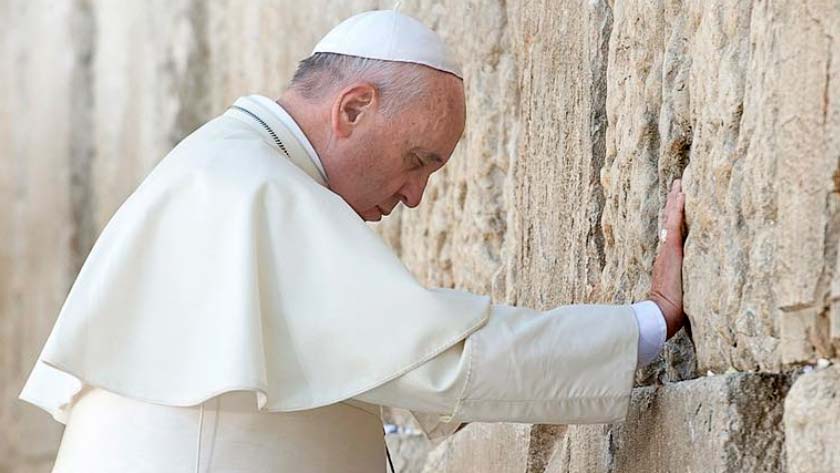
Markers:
point(670, 312)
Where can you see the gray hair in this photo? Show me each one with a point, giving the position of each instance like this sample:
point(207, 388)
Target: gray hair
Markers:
point(322, 73)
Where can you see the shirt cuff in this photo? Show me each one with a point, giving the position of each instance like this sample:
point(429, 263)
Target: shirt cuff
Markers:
point(652, 331)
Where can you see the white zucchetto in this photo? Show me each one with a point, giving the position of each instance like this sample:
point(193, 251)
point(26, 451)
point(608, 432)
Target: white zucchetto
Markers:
point(389, 36)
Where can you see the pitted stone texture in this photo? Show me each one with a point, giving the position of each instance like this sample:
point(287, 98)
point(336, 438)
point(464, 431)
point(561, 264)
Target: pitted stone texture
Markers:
point(675, 87)
point(736, 97)
point(542, 445)
point(812, 423)
point(557, 253)
point(408, 451)
point(730, 423)
point(498, 448)
point(808, 145)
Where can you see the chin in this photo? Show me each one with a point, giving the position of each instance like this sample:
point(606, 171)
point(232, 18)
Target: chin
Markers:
point(371, 215)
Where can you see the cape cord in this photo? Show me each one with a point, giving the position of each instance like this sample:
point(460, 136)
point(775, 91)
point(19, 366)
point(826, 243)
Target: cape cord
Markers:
point(267, 128)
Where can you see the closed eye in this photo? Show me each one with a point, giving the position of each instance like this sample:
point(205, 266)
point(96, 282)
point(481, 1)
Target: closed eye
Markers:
point(418, 161)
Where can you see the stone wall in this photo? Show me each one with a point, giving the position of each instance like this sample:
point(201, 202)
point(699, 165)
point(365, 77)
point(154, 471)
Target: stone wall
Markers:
point(45, 155)
point(579, 116)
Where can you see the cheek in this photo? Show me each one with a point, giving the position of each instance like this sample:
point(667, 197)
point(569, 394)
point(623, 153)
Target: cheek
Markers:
point(382, 187)
point(383, 173)
point(372, 186)
point(378, 174)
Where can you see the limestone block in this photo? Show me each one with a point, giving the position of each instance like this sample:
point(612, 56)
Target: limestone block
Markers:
point(543, 443)
point(408, 451)
point(629, 174)
point(677, 78)
point(736, 97)
point(834, 314)
point(44, 48)
point(150, 90)
point(812, 422)
point(558, 247)
point(647, 145)
point(807, 145)
point(729, 423)
point(488, 448)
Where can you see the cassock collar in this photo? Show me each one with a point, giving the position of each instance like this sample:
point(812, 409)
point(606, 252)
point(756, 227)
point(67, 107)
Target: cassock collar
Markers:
point(292, 125)
point(281, 131)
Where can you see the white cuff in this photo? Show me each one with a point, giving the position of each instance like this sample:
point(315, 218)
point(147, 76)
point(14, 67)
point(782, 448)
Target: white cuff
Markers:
point(652, 331)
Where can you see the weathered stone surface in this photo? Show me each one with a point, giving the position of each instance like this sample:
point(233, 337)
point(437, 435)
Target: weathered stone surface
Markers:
point(408, 451)
point(812, 423)
point(704, 89)
point(730, 423)
point(150, 90)
point(834, 311)
point(42, 181)
point(808, 146)
point(558, 254)
point(484, 448)
point(662, 64)
point(675, 90)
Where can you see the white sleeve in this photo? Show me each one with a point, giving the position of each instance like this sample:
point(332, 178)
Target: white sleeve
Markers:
point(571, 364)
point(652, 330)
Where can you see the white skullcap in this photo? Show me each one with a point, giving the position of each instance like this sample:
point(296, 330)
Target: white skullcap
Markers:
point(389, 36)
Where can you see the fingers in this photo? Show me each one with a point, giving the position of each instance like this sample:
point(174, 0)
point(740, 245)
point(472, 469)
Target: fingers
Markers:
point(679, 196)
point(673, 218)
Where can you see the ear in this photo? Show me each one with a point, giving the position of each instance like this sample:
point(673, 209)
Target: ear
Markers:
point(354, 104)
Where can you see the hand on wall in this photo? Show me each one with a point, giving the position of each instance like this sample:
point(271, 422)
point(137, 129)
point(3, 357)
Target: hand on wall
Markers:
point(666, 288)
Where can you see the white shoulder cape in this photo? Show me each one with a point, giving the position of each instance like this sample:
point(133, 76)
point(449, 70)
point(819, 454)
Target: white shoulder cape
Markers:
point(232, 267)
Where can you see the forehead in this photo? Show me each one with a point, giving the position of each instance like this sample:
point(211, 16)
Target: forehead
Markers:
point(434, 121)
point(443, 105)
point(446, 91)
point(435, 129)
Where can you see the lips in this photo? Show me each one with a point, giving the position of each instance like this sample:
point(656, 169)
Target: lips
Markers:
point(382, 211)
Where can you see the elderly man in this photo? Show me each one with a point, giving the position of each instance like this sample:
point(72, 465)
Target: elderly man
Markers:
point(237, 314)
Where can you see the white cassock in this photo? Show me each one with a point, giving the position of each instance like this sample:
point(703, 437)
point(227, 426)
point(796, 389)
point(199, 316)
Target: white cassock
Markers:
point(237, 315)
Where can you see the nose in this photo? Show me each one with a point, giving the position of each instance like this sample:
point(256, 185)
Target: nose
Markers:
point(412, 192)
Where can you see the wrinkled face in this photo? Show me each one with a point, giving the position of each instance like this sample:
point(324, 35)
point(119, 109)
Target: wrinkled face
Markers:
point(378, 161)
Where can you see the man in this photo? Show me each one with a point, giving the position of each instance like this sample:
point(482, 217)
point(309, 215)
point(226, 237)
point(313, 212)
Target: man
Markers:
point(237, 314)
